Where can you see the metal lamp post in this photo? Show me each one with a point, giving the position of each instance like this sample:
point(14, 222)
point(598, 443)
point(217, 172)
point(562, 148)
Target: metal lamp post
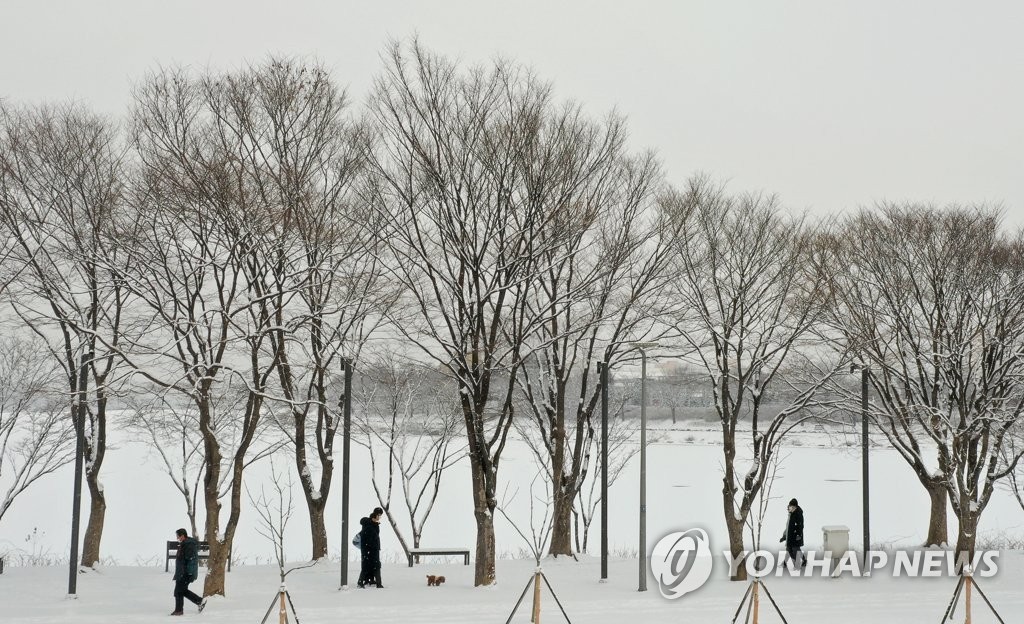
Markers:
point(76, 504)
point(642, 347)
point(346, 438)
point(602, 370)
point(865, 377)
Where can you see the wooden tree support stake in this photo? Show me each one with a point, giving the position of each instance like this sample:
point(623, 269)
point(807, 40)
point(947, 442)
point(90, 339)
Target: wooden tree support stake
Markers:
point(536, 598)
point(752, 601)
point(279, 601)
point(535, 581)
point(964, 587)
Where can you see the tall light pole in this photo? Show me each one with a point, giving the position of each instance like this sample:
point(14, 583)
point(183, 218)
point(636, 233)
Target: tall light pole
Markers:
point(865, 377)
point(643, 346)
point(346, 439)
point(865, 374)
point(602, 369)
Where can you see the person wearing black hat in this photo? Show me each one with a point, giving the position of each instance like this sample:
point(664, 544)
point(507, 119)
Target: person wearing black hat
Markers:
point(794, 535)
point(369, 549)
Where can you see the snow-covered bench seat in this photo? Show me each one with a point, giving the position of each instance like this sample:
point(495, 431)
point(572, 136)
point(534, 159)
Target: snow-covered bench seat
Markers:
point(441, 552)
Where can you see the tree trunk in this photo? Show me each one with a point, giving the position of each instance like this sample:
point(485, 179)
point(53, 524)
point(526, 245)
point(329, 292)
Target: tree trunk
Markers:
point(735, 530)
point(220, 549)
point(485, 573)
point(563, 491)
point(317, 527)
point(483, 511)
point(316, 498)
point(216, 566)
point(190, 506)
point(96, 451)
point(94, 529)
point(967, 537)
point(393, 521)
point(734, 526)
point(938, 534)
point(580, 545)
point(561, 529)
point(216, 563)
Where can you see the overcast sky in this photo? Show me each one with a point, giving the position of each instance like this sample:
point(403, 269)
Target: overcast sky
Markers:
point(831, 105)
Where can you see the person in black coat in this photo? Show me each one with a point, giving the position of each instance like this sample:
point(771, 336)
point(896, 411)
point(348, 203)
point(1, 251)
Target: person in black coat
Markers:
point(186, 570)
point(369, 549)
point(794, 535)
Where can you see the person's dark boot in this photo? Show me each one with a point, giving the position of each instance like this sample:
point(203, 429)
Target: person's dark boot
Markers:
point(176, 613)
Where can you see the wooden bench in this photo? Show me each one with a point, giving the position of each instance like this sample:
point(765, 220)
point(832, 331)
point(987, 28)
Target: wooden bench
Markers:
point(419, 552)
point(204, 554)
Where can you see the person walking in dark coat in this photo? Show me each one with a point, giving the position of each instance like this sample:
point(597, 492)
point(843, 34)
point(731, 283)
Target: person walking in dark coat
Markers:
point(794, 535)
point(186, 570)
point(369, 549)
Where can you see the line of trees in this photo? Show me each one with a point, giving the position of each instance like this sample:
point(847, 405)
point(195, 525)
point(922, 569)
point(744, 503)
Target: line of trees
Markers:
point(209, 262)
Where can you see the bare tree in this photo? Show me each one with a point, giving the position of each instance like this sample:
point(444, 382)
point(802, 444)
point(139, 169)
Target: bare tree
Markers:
point(61, 192)
point(599, 288)
point(933, 301)
point(748, 299)
point(204, 289)
point(541, 517)
point(755, 521)
point(411, 426)
point(275, 511)
point(315, 269)
point(461, 225)
point(34, 437)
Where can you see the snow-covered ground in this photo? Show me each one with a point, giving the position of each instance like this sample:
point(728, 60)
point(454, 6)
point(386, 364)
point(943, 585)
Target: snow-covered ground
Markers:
point(821, 470)
point(130, 595)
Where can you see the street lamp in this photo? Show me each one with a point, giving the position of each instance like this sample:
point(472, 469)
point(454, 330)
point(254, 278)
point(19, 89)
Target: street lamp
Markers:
point(642, 347)
point(346, 444)
point(602, 371)
point(865, 376)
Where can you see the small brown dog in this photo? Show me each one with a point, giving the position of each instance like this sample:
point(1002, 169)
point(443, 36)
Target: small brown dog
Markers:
point(434, 581)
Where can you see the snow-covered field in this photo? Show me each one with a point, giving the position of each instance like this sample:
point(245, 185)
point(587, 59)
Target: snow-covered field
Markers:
point(684, 492)
point(129, 595)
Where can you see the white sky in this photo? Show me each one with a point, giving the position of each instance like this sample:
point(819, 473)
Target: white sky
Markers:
point(831, 104)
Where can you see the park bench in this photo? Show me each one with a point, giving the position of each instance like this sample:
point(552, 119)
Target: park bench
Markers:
point(204, 553)
point(415, 553)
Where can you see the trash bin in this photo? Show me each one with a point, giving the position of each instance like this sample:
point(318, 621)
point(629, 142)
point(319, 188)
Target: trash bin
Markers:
point(836, 542)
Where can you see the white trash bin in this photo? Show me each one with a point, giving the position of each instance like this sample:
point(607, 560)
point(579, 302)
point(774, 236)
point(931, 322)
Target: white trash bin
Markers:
point(836, 542)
